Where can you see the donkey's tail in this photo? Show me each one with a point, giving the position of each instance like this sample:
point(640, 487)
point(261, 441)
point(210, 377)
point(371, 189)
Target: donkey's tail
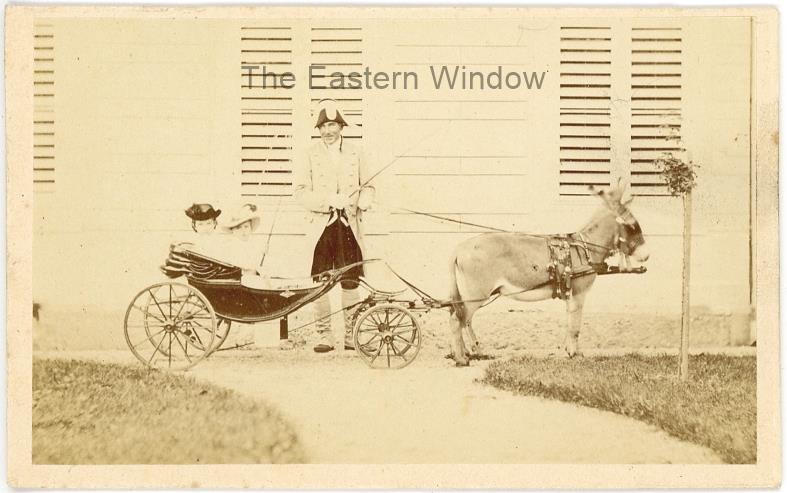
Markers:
point(457, 307)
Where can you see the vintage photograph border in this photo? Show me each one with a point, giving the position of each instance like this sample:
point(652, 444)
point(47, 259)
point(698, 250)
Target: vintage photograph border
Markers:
point(21, 473)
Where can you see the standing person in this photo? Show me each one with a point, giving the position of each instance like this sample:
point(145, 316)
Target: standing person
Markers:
point(331, 186)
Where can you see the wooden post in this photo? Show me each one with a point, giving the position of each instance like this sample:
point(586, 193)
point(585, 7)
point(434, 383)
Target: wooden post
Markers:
point(283, 329)
point(685, 318)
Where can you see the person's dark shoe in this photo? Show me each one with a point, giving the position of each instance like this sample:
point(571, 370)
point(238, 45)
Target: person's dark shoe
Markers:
point(323, 348)
point(349, 347)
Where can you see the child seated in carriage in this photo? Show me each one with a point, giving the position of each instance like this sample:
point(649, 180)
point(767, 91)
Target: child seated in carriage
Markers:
point(237, 248)
point(203, 218)
point(241, 251)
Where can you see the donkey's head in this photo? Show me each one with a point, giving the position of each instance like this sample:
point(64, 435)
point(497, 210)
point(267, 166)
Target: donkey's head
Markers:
point(630, 240)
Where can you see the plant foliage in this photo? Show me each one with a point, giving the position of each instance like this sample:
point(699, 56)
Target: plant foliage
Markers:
point(716, 407)
point(680, 176)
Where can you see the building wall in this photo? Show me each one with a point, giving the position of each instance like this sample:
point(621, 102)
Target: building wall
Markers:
point(150, 116)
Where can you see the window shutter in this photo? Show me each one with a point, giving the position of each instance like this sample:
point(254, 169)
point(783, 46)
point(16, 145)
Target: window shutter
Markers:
point(266, 112)
point(340, 50)
point(43, 108)
point(656, 104)
point(585, 83)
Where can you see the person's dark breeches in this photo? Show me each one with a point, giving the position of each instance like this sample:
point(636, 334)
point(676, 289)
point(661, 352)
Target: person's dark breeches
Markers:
point(336, 248)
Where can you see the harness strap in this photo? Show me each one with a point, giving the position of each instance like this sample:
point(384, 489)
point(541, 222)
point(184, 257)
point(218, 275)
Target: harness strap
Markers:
point(489, 228)
point(423, 294)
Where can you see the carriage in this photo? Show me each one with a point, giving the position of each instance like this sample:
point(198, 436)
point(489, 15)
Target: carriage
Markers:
point(174, 324)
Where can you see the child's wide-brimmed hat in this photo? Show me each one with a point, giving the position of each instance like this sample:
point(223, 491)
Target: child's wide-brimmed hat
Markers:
point(202, 212)
point(247, 212)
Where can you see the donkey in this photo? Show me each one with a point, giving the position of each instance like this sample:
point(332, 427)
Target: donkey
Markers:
point(516, 265)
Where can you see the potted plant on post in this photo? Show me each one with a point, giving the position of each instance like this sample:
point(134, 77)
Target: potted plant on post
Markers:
point(681, 178)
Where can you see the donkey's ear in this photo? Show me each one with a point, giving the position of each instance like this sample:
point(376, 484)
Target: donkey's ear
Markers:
point(597, 191)
point(627, 198)
point(625, 191)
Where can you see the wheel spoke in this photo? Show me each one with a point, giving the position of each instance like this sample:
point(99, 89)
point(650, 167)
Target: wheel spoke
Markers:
point(193, 314)
point(145, 326)
point(170, 301)
point(379, 350)
point(155, 351)
point(169, 351)
point(183, 305)
point(198, 303)
point(149, 339)
point(371, 324)
point(396, 320)
point(367, 343)
point(194, 323)
point(409, 344)
point(185, 351)
point(157, 305)
point(201, 345)
point(407, 328)
point(376, 320)
point(147, 313)
point(198, 337)
point(400, 354)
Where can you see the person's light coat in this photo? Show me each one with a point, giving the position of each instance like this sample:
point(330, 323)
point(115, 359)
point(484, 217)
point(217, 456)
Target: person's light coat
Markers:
point(317, 179)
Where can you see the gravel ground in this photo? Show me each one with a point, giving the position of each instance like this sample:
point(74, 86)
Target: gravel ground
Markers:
point(513, 327)
point(429, 412)
point(528, 331)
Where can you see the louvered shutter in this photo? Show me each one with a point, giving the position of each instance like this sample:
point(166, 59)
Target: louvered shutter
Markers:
point(656, 104)
point(266, 112)
point(585, 83)
point(43, 107)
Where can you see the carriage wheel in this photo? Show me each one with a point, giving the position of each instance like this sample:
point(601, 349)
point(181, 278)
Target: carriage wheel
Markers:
point(222, 332)
point(387, 336)
point(151, 325)
point(170, 326)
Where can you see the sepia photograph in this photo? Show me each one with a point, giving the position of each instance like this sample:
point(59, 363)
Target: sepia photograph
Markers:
point(379, 247)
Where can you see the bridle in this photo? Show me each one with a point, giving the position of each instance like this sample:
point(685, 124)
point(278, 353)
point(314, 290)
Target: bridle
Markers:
point(629, 234)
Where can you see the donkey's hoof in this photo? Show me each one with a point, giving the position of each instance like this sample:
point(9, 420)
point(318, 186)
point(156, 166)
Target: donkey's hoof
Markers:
point(482, 356)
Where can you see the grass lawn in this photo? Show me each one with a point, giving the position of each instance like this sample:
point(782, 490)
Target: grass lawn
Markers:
point(93, 413)
point(716, 407)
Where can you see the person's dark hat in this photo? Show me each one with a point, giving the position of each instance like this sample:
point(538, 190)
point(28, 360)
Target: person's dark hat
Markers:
point(328, 111)
point(202, 212)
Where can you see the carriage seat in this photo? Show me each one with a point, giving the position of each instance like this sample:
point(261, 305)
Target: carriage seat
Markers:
point(184, 259)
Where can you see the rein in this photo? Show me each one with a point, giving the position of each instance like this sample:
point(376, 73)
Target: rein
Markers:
point(584, 242)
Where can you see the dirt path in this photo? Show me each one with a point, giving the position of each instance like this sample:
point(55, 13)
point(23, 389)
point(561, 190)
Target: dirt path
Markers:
point(429, 412)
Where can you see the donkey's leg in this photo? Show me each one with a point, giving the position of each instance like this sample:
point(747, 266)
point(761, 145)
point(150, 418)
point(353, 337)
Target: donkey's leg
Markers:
point(457, 322)
point(475, 345)
point(574, 308)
